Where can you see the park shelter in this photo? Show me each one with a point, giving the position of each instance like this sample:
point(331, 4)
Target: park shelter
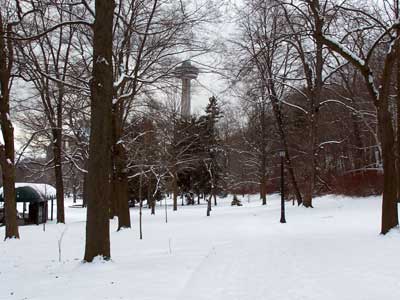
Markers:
point(37, 196)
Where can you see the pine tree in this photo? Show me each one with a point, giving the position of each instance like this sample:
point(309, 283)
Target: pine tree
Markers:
point(212, 148)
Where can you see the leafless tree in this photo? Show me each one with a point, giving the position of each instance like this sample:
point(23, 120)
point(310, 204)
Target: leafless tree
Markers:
point(378, 82)
point(7, 155)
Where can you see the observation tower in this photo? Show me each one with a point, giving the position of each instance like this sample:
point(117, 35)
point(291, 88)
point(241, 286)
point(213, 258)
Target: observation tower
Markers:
point(186, 72)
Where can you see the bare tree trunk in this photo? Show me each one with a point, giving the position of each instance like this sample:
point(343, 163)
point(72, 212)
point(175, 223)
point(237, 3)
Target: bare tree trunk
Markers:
point(398, 124)
point(57, 152)
point(113, 200)
point(122, 190)
point(387, 136)
point(310, 177)
point(74, 192)
point(389, 202)
point(150, 199)
point(279, 119)
point(85, 187)
point(120, 197)
point(263, 193)
point(209, 204)
point(140, 205)
point(175, 191)
point(263, 170)
point(315, 94)
point(358, 160)
point(314, 85)
point(97, 224)
point(7, 154)
point(398, 102)
point(153, 204)
point(385, 126)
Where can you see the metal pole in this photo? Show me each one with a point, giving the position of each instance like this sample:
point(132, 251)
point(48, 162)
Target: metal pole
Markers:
point(283, 219)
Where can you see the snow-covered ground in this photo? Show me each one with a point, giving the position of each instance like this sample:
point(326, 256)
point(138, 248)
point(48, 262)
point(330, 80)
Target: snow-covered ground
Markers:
point(333, 252)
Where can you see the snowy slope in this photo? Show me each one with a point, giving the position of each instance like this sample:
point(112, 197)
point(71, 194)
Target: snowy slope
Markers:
point(333, 251)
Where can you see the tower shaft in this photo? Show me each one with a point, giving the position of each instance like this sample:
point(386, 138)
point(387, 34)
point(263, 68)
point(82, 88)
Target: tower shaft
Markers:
point(185, 104)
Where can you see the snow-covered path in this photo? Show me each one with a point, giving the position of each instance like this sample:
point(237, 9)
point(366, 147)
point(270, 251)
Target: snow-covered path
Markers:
point(335, 259)
point(331, 252)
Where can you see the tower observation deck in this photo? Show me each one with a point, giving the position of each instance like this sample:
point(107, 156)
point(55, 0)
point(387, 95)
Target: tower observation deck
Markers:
point(186, 72)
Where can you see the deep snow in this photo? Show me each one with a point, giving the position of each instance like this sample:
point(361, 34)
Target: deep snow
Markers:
point(333, 252)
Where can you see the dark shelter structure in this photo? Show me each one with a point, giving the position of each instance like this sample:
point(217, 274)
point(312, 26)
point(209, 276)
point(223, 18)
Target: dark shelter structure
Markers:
point(35, 197)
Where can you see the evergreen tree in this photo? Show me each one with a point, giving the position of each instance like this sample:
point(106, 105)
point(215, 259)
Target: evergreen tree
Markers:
point(212, 146)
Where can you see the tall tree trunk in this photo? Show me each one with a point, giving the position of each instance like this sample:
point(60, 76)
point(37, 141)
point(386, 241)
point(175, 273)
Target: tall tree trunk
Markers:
point(358, 160)
point(121, 187)
point(263, 194)
point(398, 103)
point(387, 137)
point(209, 204)
point(389, 201)
point(7, 153)
point(85, 186)
point(263, 171)
point(175, 190)
point(279, 119)
point(74, 192)
point(150, 199)
point(315, 84)
point(114, 199)
point(57, 152)
point(140, 204)
point(385, 126)
point(263, 165)
point(398, 123)
point(153, 204)
point(97, 222)
point(310, 177)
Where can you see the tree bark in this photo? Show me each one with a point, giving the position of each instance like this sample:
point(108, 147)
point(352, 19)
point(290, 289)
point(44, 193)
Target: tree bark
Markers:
point(114, 199)
point(97, 224)
point(209, 205)
point(150, 199)
point(389, 201)
point(7, 153)
point(279, 119)
point(310, 177)
point(387, 137)
point(263, 193)
point(57, 152)
point(121, 187)
point(140, 204)
point(398, 105)
point(263, 153)
point(85, 187)
point(389, 218)
point(314, 86)
point(175, 191)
